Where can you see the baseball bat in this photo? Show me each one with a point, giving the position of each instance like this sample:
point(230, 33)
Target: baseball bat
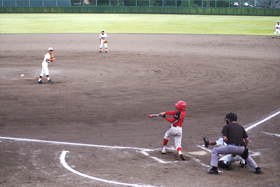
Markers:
point(153, 115)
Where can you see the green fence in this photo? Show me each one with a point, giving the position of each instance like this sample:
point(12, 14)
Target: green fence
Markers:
point(208, 7)
point(272, 4)
point(144, 10)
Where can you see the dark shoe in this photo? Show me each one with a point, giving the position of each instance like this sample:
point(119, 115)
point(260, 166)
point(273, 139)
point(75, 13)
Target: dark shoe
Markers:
point(213, 171)
point(182, 157)
point(106, 52)
point(40, 82)
point(222, 164)
point(229, 166)
point(243, 165)
point(100, 51)
point(258, 170)
point(50, 80)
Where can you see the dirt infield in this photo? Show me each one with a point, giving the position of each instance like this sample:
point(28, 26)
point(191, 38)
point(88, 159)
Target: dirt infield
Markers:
point(104, 99)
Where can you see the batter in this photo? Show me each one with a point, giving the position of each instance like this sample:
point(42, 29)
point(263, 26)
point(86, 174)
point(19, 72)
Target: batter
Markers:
point(103, 39)
point(45, 69)
point(175, 129)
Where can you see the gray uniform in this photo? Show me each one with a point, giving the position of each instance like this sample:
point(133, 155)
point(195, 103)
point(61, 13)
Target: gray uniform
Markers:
point(235, 134)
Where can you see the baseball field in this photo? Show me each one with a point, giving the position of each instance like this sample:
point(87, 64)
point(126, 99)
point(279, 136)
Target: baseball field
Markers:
point(90, 127)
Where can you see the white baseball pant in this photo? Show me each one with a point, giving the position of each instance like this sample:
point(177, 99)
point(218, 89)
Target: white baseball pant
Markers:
point(105, 45)
point(177, 133)
point(276, 31)
point(45, 69)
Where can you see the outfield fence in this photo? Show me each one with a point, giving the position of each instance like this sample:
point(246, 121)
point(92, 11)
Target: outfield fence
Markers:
point(205, 7)
point(271, 4)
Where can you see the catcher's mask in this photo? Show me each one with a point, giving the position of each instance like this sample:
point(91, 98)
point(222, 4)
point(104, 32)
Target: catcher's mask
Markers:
point(231, 116)
point(181, 105)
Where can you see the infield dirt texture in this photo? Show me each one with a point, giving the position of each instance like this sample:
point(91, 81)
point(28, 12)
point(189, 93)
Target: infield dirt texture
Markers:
point(105, 99)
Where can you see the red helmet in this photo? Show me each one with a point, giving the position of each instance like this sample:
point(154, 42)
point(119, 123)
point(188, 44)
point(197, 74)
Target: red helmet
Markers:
point(181, 105)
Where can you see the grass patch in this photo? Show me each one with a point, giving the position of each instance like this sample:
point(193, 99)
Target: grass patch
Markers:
point(136, 23)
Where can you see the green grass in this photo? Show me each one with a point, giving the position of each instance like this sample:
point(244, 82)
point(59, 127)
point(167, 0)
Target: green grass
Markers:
point(137, 23)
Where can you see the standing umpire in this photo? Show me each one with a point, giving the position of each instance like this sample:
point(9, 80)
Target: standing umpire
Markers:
point(233, 135)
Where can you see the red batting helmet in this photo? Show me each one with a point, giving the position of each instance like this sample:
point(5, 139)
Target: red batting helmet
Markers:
point(181, 105)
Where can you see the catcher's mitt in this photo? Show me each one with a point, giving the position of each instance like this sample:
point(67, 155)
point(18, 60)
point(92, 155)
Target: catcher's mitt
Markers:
point(245, 153)
point(105, 41)
point(206, 142)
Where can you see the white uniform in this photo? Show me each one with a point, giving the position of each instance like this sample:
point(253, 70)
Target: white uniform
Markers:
point(228, 158)
point(277, 29)
point(45, 63)
point(102, 38)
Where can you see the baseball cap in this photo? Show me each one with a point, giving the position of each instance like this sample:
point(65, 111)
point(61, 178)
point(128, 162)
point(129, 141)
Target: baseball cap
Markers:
point(50, 49)
point(102, 30)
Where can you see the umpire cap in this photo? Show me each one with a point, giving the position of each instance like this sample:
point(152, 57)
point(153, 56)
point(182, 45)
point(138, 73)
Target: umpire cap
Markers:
point(231, 116)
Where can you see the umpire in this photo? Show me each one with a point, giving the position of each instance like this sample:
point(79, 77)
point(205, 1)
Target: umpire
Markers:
point(233, 135)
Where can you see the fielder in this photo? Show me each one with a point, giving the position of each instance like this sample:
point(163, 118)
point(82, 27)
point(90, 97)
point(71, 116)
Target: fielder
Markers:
point(277, 29)
point(175, 128)
point(45, 69)
point(103, 39)
point(225, 161)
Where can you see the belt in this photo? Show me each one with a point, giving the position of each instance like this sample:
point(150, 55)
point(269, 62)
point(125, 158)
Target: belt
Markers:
point(236, 144)
point(176, 126)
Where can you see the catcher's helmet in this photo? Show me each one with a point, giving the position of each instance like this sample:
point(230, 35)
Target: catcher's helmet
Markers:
point(181, 105)
point(231, 116)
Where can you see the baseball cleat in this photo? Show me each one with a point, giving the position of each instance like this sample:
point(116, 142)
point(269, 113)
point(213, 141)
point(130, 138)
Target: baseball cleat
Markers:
point(213, 171)
point(272, 37)
point(182, 157)
point(163, 151)
point(258, 170)
point(100, 51)
point(40, 82)
point(106, 52)
point(50, 80)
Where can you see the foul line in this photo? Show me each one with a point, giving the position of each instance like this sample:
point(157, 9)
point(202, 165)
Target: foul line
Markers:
point(69, 143)
point(264, 120)
point(64, 163)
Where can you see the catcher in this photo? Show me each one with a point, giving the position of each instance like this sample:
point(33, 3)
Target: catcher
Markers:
point(225, 161)
point(45, 69)
point(103, 39)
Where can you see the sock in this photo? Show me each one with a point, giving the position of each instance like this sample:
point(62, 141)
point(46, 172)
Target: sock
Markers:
point(179, 150)
point(165, 141)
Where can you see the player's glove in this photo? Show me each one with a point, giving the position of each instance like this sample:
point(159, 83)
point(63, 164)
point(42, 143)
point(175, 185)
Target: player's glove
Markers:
point(206, 142)
point(105, 41)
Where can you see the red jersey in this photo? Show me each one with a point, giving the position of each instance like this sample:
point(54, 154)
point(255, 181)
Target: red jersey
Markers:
point(177, 119)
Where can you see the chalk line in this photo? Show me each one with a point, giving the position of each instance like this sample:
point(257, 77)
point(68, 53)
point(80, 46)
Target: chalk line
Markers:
point(64, 163)
point(272, 134)
point(69, 143)
point(264, 120)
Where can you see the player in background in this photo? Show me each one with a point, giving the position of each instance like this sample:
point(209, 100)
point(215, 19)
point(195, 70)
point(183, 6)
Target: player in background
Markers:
point(277, 29)
point(103, 39)
point(45, 69)
point(175, 129)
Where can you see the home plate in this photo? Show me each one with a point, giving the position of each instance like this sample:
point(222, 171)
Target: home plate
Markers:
point(198, 153)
